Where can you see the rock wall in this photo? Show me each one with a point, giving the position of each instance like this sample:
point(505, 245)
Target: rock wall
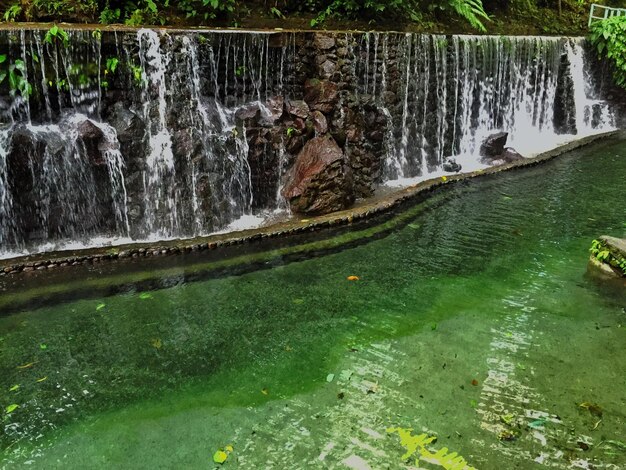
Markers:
point(147, 134)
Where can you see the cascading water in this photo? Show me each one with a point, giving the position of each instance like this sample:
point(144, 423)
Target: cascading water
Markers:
point(6, 200)
point(147, 135)
point(591, 113)
point(160, 214)
point(456, 91)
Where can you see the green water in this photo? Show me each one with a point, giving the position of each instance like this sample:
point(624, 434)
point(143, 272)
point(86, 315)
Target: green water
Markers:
point(474, 313)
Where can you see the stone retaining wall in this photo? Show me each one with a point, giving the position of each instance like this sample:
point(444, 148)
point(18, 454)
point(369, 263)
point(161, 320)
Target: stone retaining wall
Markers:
point(51, 261)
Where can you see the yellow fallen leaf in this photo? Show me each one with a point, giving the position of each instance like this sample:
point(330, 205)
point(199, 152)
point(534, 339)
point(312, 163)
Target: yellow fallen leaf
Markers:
point(229, 448)
point(353, 278)
point(27, 366)
point(265, 391)
point(43, 379)
point(304, 220)
point(444, 178)
point(156, 343)
point(220, 457)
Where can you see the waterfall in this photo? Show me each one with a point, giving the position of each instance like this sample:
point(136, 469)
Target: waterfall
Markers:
point(456, 91)
point(590, 113)
point(182, 135)
point(6, 200)
point(160, 176)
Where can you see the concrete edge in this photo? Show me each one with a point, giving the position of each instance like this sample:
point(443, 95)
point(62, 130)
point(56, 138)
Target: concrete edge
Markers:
point(52, 260)
point(104, 28)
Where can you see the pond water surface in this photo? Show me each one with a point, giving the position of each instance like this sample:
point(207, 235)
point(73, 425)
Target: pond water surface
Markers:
point(474, 321)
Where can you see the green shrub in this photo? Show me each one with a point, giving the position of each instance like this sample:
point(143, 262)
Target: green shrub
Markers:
point(609, 38)
point(364, 9)
point(13, 13)
point(206, 9)
point(470, 10)
point(60, 10)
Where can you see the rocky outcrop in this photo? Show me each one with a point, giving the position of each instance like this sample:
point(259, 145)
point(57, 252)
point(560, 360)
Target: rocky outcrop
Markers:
point(320, 180)
point(493, 146)
point(493, 151)
point(450, 165)
point(321, 95)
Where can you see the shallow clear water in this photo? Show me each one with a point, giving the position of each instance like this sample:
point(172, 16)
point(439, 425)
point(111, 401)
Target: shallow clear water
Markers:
point(474, 313)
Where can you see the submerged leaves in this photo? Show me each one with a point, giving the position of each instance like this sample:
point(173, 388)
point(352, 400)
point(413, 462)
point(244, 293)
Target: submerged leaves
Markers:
point(418, 445)
point(594, 408)
point(220, 456)
point(11, 408)
point(27, 366)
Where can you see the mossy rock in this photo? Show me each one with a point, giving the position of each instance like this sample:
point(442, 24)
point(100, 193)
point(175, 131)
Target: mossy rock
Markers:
point(608, 257)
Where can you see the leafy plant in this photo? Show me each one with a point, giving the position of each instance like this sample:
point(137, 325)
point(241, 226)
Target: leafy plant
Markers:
point(137, 73)
point(60, 10)
point(111, 65)
point(110, 15)
point(277, 13)
point(609, 38)
point(367, 8)
point(56, 34)
point(16, 74)
point(13, 12)
point(206, 9)
point(602, 253)
point(144, 12)
point(470, 10)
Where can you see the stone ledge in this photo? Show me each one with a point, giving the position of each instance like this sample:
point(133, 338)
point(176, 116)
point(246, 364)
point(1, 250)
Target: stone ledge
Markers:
point(368, 210)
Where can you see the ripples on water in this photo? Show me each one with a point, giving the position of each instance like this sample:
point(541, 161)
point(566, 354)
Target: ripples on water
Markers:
point(475, 310)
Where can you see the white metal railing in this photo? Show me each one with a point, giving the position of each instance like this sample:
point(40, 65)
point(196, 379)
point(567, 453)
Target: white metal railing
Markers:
point(601, 12)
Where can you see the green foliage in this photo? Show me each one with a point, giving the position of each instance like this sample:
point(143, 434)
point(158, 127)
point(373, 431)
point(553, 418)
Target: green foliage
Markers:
point(470, 10)
point(110, 15)
point(366, 8)
point(137, 73)
point(609, 38)
point(65, 10)
point(206, 9)
point(57, 34)
point(16, 74)
point(600, 251)
point(13, 12)
point(277, 13)
point(143, 12)
point(111, 65)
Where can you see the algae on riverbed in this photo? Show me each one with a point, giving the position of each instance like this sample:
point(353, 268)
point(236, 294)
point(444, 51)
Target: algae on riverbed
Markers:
point(244, 360)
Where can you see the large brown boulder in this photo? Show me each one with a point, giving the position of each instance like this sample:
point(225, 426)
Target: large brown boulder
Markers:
point(321, 179)
point(321, 95)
